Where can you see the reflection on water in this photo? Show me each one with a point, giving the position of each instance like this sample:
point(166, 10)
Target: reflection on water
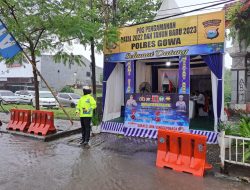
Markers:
point(111, 163)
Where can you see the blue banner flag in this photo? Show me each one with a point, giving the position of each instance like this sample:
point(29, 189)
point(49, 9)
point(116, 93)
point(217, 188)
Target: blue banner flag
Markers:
point(8, 45)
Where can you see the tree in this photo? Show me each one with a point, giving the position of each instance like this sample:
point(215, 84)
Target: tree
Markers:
point(100, 20)
point(238, 16)
point(134, 11)
point(44, 25)
point(34, 24)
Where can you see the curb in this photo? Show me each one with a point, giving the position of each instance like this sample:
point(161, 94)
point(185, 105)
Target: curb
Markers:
point(62, 134)
point(51, 137)
point(233, 178)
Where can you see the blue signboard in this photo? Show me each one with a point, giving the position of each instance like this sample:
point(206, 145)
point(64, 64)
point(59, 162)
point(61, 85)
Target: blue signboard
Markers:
point(167, 52)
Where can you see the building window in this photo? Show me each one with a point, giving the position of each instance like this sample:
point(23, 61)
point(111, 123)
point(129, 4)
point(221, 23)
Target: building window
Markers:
point(88, 74)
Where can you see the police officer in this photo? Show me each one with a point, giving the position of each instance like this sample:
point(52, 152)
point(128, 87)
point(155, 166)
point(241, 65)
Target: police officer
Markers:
point(84, 109)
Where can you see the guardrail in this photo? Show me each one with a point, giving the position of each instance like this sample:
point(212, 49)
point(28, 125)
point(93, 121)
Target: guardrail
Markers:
point(233, 150)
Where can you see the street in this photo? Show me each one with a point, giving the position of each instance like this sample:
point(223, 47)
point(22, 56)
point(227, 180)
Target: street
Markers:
point(112, 162)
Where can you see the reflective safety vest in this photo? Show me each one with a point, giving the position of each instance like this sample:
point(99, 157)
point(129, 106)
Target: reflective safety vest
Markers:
point(86, 105)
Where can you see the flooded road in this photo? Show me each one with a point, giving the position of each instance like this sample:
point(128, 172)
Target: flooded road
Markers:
point(112, 163)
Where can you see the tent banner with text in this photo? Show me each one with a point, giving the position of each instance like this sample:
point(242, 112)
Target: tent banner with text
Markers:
point(184, 75)
point(157, 111)
point(186, 31)
point(201, 49)
point(130, 77)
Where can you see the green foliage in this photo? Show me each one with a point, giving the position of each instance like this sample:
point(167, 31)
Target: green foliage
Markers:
point(95, 120)
point(244, 131)
point(136, 11)
point(241, 129)
point(247, 152)
point(228, 128)
point(34, 22)
point(244, 126)
point(227, 85)
point(239, 23)
point(36, 26)
point(98, 20)
point(68, 58)
point(46, 25)
point(67, 89)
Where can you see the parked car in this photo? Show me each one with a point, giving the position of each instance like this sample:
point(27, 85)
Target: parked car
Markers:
point(46, 99)
point(26, 96)
point(17, 93)
point(8, 97)
point(68, 99)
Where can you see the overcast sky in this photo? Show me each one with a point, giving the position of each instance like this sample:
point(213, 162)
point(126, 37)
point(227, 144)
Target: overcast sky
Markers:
point(78, 49)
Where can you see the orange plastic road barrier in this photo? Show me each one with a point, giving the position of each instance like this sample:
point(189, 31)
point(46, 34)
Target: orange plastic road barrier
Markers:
point(13, 119)
point(182, 152)
point(42, 123)
point(19, 120)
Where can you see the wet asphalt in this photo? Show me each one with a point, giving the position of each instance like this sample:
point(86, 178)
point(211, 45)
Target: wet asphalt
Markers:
point(112, 163)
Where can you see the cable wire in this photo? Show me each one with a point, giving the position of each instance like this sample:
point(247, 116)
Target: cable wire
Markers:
point(194, 10)
point(193, 5)
point(202, 9)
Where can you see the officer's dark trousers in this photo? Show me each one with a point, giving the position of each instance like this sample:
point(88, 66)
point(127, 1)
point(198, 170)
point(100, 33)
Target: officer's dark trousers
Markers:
point(85, 123)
